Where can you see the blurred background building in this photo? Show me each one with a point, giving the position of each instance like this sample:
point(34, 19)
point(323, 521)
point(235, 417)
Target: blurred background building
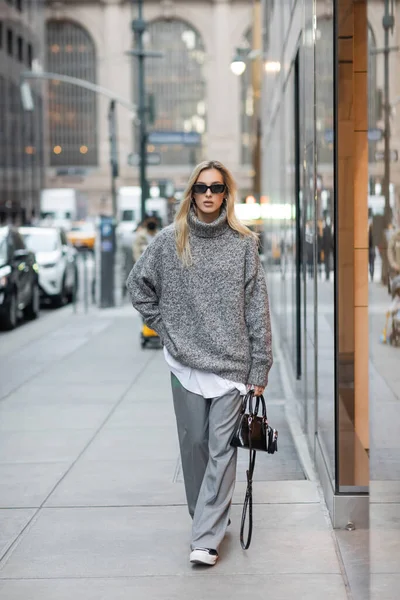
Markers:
point(22, 157)
point(191, 90)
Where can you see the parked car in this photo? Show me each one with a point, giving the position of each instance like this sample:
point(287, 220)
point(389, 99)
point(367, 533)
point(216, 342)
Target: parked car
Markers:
point(58, 272)
point(19, 280)
point(82, 235)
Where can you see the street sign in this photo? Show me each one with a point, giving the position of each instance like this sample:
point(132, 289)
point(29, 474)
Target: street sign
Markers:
point(394, 156)
point(168, 138)
point(152, 158)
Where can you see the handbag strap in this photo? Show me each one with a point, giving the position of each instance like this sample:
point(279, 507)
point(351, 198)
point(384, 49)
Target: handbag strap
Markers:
point(248, 500)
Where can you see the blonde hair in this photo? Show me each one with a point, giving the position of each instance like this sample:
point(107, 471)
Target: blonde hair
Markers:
point(181, 218)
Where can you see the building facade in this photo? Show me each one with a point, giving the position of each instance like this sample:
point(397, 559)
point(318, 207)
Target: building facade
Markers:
point(190, 90)
point(315, 201)
point(21, 132)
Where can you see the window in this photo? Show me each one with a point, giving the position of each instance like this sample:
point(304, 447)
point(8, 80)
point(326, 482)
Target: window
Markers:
point(246, 106)
point(72, 110)
point(20, 46)
point(374, 93)
point(10, 42)
point(324, 66)
point(178, 86)
point(1, 35)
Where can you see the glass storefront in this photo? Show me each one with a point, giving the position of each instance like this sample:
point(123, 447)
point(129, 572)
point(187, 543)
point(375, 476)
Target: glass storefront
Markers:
point(305, 237)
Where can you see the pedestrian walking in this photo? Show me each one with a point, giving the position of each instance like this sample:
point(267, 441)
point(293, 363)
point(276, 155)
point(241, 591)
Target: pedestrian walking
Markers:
point(327, 246)
point(145, 234)
point(393, 253)
point(200, 285)
point(371, 251)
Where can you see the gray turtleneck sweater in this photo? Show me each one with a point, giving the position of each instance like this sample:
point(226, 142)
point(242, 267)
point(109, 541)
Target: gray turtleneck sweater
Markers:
point(214, 315)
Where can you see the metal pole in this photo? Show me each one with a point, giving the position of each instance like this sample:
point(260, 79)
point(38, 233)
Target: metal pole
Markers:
point(85, 281)
point(112, 121)
point(387, 23)
point(139, 27)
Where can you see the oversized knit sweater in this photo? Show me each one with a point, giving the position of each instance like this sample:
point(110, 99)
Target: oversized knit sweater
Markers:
point(213, 315)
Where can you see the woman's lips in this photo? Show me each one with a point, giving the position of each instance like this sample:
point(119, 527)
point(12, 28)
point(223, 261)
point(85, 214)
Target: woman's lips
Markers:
point(208, 203)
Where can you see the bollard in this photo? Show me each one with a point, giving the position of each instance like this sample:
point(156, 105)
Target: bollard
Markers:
point(85, 281)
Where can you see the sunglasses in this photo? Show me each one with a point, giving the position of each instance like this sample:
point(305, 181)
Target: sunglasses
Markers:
point(215, 188)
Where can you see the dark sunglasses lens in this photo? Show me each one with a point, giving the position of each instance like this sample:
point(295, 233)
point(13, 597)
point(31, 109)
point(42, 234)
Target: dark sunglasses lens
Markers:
point(199, 188)
point(217, 188)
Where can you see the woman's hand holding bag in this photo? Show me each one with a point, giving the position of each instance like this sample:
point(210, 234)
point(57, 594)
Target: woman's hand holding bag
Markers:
point(252, 431)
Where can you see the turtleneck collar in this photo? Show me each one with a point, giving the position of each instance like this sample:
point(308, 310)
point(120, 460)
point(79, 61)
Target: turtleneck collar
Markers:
point(208, 230)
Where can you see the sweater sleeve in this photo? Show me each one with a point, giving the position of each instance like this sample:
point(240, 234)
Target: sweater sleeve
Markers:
point(144, 286)
point(257, 317)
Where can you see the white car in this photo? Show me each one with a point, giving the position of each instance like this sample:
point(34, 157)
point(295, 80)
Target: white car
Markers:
point(58, 274)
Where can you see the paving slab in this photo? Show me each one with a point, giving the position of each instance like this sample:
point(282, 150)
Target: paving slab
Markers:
point(42, 417)
point(43, 446)
point(206, 586)
point(116, 542)
point(28, 484)
point(385, 587)
point(120, 483)
point(134, 443)
point(354, 548)
point(384, 491)
point(12, 522)
point(385, 537)
point(130, 414)
point(39, 392)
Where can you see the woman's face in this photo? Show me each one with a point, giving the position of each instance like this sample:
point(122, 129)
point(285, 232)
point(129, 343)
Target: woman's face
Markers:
point(209, 201)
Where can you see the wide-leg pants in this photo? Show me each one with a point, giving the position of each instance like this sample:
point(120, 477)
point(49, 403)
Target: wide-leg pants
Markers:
point(205, 426)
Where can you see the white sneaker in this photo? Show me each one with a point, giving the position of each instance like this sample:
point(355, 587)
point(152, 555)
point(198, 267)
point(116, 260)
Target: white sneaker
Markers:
point(204, 556)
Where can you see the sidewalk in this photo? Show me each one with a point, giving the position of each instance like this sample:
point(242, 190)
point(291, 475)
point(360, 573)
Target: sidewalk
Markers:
point(92, 504)
point(384, 453)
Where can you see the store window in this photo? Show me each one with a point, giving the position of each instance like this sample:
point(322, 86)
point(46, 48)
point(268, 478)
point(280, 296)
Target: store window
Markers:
point(374, 94)
point(323, 226)
point(72, 110)
point(177, 86)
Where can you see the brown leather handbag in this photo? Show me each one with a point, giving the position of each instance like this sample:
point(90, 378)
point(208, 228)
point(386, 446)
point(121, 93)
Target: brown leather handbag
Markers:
point(252, 431)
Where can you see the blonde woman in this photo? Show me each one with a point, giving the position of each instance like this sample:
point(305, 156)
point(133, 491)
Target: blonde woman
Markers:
point(201, 287)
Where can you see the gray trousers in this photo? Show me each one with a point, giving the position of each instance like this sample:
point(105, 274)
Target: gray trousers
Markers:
point(205, 426)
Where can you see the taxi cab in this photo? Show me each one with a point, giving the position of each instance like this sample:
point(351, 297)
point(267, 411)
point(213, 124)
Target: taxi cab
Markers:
point(82, 235)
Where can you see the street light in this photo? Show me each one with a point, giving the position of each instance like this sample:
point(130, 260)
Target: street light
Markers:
point(241, 58)
point(139, 27)
point(27, 101)
point(238, 64)
point(272, 66)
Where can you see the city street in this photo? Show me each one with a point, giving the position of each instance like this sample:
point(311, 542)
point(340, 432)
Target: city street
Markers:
point(91, 493)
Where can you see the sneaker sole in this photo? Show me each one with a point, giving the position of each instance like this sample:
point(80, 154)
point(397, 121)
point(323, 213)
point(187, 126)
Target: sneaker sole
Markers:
point(201, 558)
